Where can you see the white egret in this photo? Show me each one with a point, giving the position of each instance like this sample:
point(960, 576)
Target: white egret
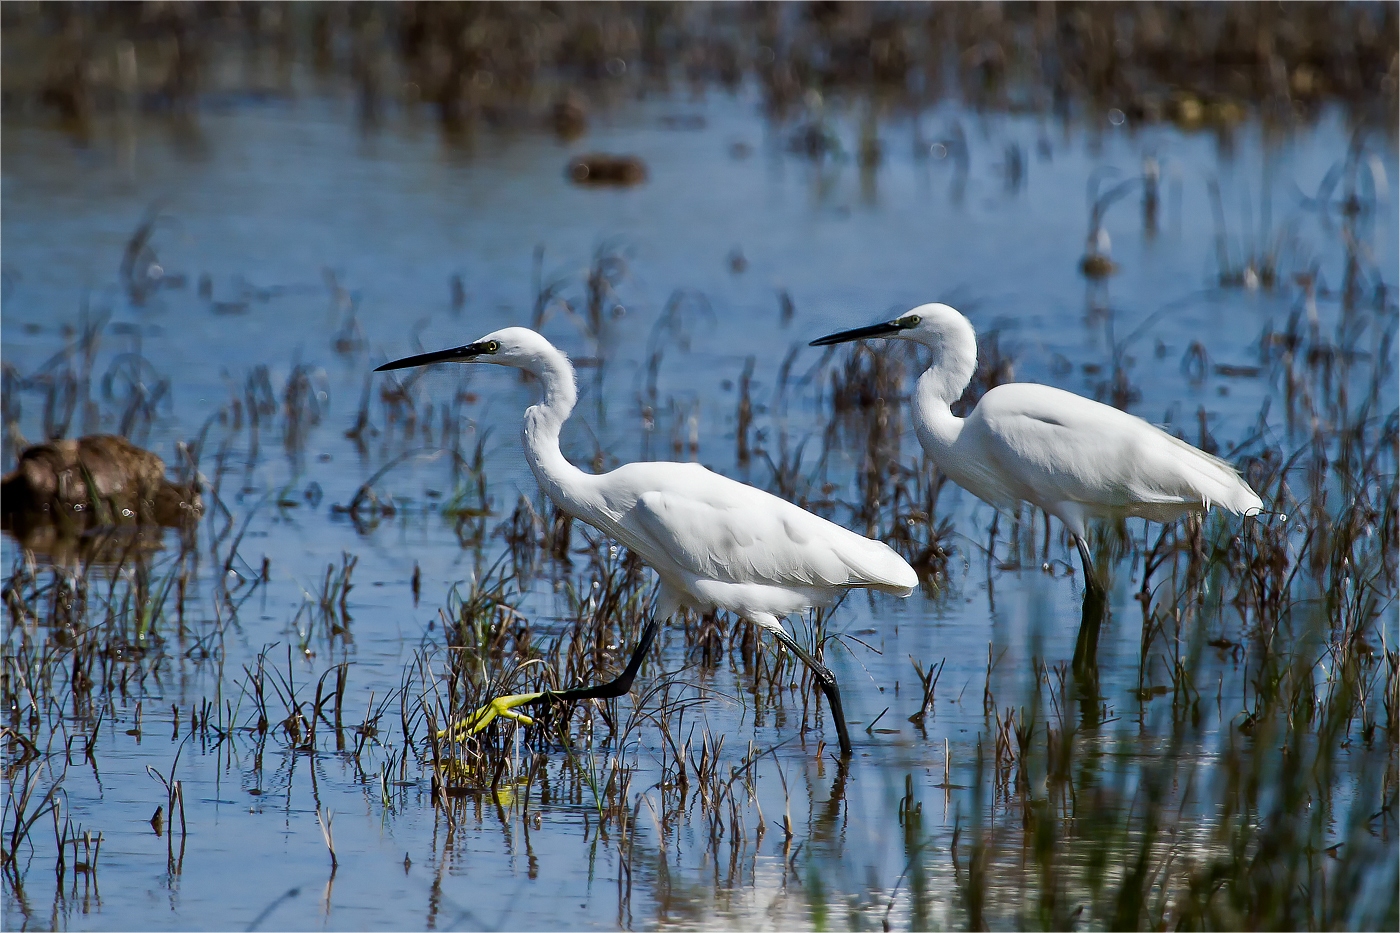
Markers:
point(1075, 458)
point(714, 542)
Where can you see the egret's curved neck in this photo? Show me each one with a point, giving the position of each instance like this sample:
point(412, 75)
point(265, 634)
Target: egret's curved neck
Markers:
point(561, 480)
point(954, 362)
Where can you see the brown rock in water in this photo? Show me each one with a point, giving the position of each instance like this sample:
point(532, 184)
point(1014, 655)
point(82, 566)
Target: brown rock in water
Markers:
point(105, 476)
point(600, 168)
point(1097, 266)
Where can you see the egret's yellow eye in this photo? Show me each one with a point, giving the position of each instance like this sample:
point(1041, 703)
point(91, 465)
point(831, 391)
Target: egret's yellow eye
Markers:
point(911, 320)
point(492, 346)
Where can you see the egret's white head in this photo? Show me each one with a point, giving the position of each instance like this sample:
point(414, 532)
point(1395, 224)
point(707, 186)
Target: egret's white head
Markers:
point(933, 325)
point(519, 347)
point(940, 328)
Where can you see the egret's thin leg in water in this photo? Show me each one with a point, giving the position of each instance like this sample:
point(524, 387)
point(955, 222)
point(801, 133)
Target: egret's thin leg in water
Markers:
point(507, 706)
point(1091, 576)
point(827, 681)
point(623, 683)
point(1086, 648)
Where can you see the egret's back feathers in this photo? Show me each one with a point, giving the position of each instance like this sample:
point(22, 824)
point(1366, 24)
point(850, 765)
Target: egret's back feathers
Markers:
point(1048, 446)
point(715, 528)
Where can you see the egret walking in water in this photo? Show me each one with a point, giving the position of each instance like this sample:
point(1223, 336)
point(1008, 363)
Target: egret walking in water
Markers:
point(714, 542)
point(1077, 459)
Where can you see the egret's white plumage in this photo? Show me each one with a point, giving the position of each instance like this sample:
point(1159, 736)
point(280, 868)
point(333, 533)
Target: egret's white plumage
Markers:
point(1075, 458)
point(714, 542)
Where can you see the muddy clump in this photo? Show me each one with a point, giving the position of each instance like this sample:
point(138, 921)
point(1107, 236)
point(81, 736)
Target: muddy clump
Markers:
point(65, 487)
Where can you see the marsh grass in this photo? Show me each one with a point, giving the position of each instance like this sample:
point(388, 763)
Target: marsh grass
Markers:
point(1267, 804)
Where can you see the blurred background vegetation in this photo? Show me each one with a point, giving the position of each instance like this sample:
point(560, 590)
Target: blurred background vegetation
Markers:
point(1206, 64)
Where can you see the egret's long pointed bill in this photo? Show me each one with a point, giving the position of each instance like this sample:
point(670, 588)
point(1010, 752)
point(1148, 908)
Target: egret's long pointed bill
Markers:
point(455, 355)
point(859, 333)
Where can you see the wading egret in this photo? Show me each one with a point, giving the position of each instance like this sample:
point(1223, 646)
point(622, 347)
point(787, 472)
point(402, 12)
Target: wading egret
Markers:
point(1077, 459)
point(714, 542)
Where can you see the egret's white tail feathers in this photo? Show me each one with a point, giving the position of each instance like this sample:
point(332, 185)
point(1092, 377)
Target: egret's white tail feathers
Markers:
point(1216, 481)
point(877, 565)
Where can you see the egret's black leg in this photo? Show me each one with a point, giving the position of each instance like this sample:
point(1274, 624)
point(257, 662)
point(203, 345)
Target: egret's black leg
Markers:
point(1086, 649)
point(1091, 577)
point(622, 684)
point(507, 706)
point(827, 681)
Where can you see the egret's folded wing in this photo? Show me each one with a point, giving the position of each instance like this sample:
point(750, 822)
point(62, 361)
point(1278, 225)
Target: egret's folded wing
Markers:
point(1062, 447)
point(723, 530)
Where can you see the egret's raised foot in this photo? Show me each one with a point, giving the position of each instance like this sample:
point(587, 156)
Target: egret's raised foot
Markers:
point(501, 706)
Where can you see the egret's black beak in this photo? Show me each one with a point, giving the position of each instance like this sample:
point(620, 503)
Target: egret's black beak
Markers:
point(455, 355)
point(859, 333)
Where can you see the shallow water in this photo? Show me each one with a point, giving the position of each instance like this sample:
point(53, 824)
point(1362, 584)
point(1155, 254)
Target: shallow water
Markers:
point(262, 197)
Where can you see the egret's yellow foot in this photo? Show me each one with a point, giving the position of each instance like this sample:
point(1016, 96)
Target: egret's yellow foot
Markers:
point(501, 706)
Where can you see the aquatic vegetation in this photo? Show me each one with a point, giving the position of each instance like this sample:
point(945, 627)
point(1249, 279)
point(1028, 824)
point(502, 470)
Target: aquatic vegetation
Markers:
point(1174, 807)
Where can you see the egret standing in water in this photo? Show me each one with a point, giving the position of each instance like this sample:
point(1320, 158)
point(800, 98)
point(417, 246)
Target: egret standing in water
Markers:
point(715, 543)
point(1077, 459)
